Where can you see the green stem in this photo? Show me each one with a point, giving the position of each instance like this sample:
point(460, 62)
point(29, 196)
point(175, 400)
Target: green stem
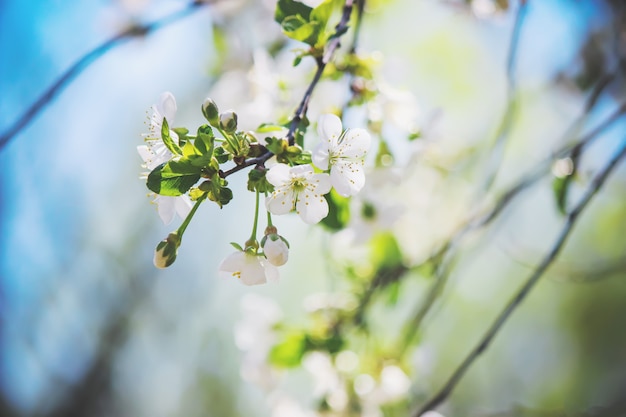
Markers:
point(185, 223)
point(229, 140)
point(256, 218)
point(269, 217)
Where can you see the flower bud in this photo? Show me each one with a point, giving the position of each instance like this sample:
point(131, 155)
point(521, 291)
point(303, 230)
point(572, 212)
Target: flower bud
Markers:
point(211, 112)
point(228, 121)
point(166, 251)
point(276, 250)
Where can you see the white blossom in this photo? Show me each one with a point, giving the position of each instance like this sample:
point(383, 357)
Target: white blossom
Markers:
point(343, 153)
point(248, 268)
point(155, 153)
point(298, 188)
point(276, 250)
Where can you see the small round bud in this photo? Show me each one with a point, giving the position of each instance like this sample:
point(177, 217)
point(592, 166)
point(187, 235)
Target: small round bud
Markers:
point(228, 121)
point(211, 112)
point(276, 250)
point(166, 251)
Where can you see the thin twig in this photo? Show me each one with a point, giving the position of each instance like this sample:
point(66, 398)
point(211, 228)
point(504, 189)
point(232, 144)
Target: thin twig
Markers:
point(443, 255)
point(329, 51)
point(573, 216)
point(137, 30)
point(302, 108)
point(506, 124)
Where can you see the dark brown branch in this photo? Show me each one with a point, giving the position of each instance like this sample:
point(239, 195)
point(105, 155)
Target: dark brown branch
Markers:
point(521, 294)
point(136, 31)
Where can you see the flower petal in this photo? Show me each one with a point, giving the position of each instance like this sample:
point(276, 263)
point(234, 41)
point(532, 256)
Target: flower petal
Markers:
point(166, 208)
point(320, 156)
point(271, 272)
point(278, 175)
point(183, 205)
point(329, 128)
point(145, 153)
point(253, 272)
point(311, 207)
point(355, 143)
point(322, 183)
point(167, 107)
point(280, 201)
point(276, 251)
point(302, 171)
point(347, 177)
point(231, 265)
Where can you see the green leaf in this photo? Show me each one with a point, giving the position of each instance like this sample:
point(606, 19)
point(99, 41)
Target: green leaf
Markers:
point(221, 155)
point(289, 353)
point(217, 191)
point(180, 131)
point(322, 12)
point(338, 211)
point(204, 143)
point(560, 187)
point(285, 8)
point(385, 252)
point(257, 181)
point(269, 127)
point(236, 246)
point(173, 178)
point(167, 139)
point(300, 30)
point(189, 150)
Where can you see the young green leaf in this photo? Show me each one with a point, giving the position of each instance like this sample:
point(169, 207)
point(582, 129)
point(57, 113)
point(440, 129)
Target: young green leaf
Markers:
point(285, 8)
point(173, 178)
point(167, 139)
point(204, 144)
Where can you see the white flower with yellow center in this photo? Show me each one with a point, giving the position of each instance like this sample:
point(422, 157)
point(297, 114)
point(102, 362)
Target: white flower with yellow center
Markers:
point(343, 153)
point(249, 268)
point(155, 153)
point(298, 188)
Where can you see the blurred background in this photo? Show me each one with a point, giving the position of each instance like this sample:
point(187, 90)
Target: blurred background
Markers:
point(89, 327)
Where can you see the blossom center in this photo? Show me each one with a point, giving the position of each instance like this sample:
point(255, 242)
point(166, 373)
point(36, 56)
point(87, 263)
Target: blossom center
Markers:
point(298, 184)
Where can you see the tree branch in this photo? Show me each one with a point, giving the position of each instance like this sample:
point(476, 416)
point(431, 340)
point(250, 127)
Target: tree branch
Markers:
point(443, 255)
point(521, 294)
point(135, 31)
point(302, 108)
point(511, 109)
point(329, 51)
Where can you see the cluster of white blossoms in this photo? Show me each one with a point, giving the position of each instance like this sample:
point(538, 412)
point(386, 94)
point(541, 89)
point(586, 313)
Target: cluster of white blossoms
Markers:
point(337, 162)
point(341, 156)
point(300, 188)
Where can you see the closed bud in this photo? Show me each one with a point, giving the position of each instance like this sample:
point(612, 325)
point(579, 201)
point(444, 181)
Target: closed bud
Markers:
point(166, 251)
point(211, 112)
point(228, 121)
point(276, 249)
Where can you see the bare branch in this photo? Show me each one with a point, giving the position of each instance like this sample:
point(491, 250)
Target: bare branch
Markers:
point(136, 31)
point(506, 124)
point(521, 294)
